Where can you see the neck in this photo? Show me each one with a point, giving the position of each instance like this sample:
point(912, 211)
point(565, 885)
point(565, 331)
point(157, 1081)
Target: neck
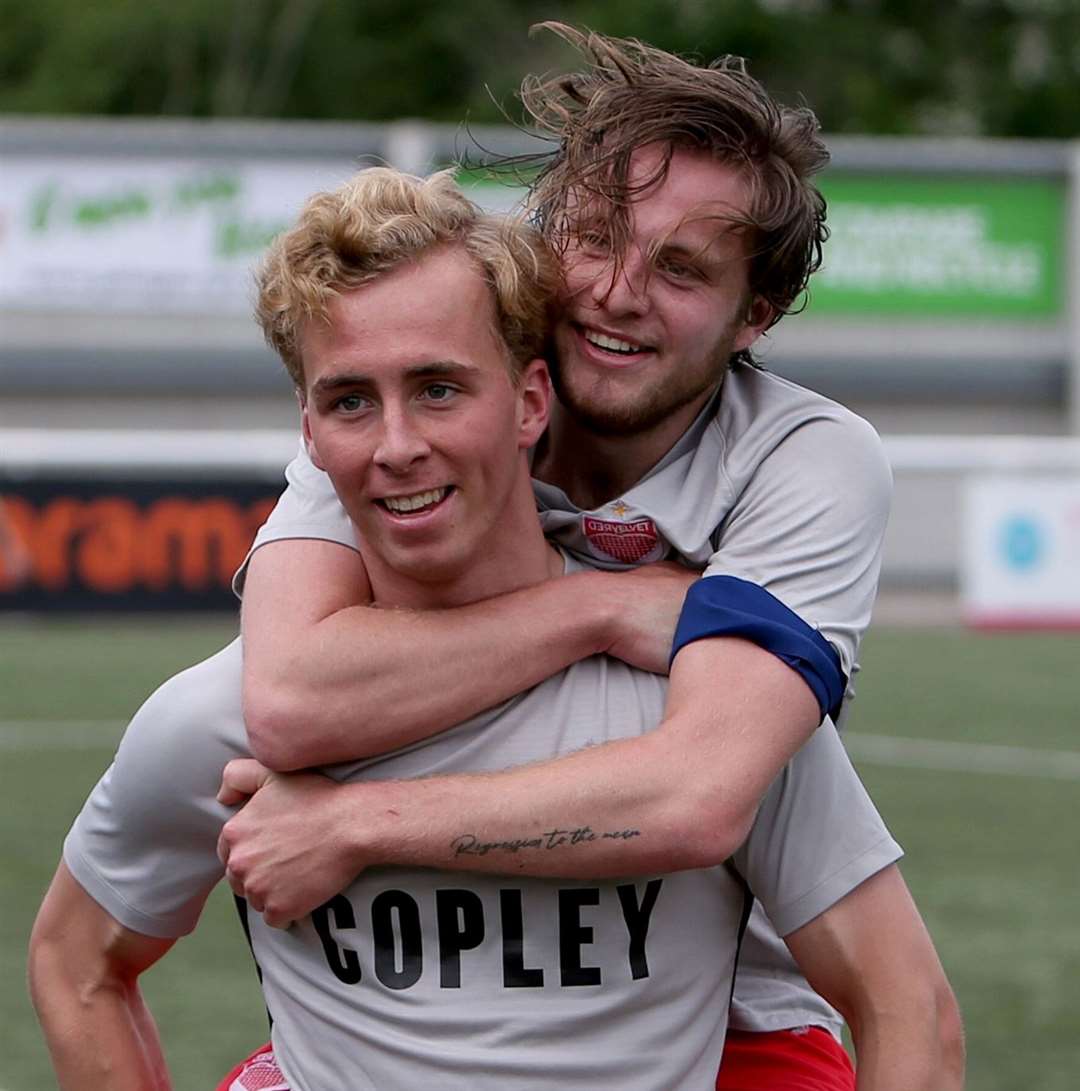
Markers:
point(593, 469)
point(514, 555)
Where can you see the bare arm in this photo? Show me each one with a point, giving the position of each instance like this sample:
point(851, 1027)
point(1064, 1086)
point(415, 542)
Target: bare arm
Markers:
point(84, 970)
point(328, 678)
point(870, 956)
point(681, 796)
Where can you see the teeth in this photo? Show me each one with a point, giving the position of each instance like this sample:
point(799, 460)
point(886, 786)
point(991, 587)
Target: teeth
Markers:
point(414, 503)
point(612, 344)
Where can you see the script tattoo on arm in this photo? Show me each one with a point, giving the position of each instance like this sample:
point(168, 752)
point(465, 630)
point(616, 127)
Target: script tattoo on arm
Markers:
point(471, 844)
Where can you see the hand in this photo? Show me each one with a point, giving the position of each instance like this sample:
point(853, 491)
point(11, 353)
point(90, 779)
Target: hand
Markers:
point(286, 850)
point(240, 780)
point(648, 601)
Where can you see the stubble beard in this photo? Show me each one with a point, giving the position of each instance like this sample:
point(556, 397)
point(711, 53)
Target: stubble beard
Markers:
point(608, 413)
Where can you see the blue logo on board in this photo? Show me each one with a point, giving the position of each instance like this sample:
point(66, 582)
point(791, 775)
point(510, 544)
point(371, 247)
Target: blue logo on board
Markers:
point(1022, 542)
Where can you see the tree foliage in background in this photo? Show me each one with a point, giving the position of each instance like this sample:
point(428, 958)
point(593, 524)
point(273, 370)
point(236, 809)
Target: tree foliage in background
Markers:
point(990, 67)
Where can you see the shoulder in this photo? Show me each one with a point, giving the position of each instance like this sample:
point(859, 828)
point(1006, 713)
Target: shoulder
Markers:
point(759, 406)
point(308, 508)
point(189, 726)
point(209, 690)
point(773, 430)
point(143, 845)
point(817, 835)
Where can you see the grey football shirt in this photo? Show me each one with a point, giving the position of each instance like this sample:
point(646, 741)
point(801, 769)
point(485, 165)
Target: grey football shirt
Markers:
point(422, 978)
point(773, 484)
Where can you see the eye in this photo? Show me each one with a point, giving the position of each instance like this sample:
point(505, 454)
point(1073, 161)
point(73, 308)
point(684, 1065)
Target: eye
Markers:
point(594, 240)
point(438, 392)
point(678, 270)
point(350, 403)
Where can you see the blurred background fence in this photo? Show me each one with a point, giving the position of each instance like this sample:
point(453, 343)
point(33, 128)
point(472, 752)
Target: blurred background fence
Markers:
point(944, 313)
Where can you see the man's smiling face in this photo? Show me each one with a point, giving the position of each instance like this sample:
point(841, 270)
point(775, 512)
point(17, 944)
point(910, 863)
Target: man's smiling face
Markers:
point(645, 339)
point(411, 409)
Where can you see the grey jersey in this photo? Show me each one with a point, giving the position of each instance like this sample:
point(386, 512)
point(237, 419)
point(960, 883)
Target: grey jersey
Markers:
point(773, 484)
point(421, 978)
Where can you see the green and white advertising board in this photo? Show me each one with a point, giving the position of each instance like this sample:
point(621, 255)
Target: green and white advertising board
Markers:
point(942, 247)
point(925, 246)
point(145, 234)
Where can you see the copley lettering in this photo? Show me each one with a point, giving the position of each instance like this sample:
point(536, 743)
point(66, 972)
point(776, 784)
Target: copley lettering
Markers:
point(401, 948)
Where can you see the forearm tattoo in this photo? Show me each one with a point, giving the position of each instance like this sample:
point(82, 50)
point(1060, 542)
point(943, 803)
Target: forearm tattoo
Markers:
point(472, 844)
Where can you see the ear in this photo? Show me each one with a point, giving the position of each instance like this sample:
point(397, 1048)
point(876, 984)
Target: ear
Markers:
point(534, 397)
point(757, 318)
point(305, 427)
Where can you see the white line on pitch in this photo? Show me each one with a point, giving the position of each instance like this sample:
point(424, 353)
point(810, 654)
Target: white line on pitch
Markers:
point(964, 757)
point(59, 734)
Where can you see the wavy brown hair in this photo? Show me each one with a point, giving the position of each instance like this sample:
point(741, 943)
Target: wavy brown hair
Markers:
point(377, 221)
point(630, 94)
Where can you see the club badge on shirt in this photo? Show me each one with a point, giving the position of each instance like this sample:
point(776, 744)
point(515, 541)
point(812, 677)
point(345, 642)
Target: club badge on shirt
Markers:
point(629, 541)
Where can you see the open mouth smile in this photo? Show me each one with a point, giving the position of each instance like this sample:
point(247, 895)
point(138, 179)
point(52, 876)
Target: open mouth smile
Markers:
point(418, 503)
point(613, 346)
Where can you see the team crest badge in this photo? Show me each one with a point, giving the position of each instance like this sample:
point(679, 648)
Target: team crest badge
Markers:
point(635, 542)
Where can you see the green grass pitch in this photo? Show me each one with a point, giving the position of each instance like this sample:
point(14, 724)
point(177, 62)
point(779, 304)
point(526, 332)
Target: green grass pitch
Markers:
point(991, 856)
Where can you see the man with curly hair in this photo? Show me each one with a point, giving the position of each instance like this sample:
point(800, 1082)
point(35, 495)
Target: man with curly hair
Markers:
point(681, 201)
point(412, 325)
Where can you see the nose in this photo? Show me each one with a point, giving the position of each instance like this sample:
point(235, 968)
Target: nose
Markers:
point(622, 288)
point(401, 441)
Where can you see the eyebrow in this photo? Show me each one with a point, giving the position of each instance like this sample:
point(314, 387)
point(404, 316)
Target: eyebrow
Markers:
point(681, 247)
point(679, 244)
point(704, 256)
point(436, 369)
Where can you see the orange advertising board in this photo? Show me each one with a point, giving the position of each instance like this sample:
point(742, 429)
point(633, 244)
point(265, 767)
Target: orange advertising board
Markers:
point(132, 545)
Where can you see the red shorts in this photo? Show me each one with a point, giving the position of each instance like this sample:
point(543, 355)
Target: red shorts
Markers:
point(779, 1060)
point(258, 1073)
point(805, 1059)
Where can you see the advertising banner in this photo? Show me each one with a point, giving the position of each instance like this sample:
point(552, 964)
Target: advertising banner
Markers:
point(942, 247)
point(1021, 559)
point(132, 545)
point(159, 235)
point(924, 246)
point(153, 235)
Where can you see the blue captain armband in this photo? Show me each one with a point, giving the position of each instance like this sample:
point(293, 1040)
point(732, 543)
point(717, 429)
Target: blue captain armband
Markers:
point(728, 606)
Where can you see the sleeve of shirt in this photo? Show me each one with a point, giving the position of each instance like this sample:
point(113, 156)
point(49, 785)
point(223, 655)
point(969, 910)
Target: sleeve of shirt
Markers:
point(808, 528)
point(308, 508)
point(144, 846)
point(727, 606)
point(817, 836)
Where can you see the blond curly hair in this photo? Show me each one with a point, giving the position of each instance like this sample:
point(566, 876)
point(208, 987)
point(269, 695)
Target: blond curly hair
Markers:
point(380, 219)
